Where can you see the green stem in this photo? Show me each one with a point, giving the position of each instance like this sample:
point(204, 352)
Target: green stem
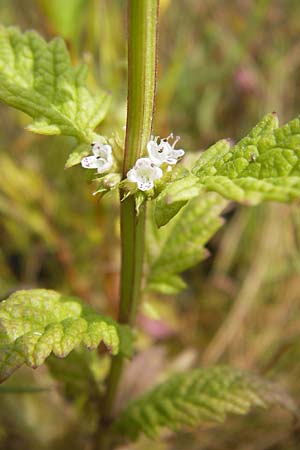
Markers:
point(132, 251)
point(142, 44)
point(142, 39)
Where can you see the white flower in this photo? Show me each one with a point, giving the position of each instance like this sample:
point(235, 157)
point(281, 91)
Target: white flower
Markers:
point(144, 173)
point(101, 160)
point(161, 151)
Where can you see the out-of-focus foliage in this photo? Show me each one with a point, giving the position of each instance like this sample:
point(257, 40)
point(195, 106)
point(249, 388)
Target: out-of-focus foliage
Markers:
point(180, 245)
point(64, 20)
point(199, 396)
point(223, 65)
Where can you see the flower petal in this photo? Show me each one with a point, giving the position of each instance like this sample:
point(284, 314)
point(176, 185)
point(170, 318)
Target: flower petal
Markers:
point(107, 148)
point(177, 153)
point(143, 163)
point(89, 162)
point(171, 160)
point(174, 156)
point(103, 165)
point(131, 176)
point(102, 150)
point(157, 173)
point(163, 152)
point(157, 153)
point(145, 185)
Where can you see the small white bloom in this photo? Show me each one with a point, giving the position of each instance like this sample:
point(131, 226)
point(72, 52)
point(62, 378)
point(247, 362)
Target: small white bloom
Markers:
point(101, 160)
point(144, 173)
point(161, 151)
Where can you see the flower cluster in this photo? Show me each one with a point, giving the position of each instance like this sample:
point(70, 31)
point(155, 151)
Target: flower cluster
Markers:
point(147, 170)
point(101, 160)
point(162, 155)
point(144, 173)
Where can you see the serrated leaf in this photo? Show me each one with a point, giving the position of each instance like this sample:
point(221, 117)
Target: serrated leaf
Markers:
point(181, 244)
point(265, 165)
point(42, 127)
point(75, 157)
point(38, 322)
point(37, 77)
point(175, 195)
point(197, 397)
point(217, 150)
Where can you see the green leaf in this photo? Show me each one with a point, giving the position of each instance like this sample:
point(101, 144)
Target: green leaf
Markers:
point(38, 322)
point(37, 77)
point(180, 245)
point(221, 150)
point(265, 165)
point(218, 150)
point(198, 397)
point(75, 157)
point(175, 195)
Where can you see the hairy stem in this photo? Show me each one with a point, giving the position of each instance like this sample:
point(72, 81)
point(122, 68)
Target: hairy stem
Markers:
point(142, 38)
point(142, 43)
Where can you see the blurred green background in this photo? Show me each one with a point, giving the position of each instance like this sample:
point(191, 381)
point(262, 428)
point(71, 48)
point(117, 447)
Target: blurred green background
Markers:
point(222, 66)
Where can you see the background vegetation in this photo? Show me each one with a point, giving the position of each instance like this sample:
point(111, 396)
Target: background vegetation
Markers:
point(223, 65)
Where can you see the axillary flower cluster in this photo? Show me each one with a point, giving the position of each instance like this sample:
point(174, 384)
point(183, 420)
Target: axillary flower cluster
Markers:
point(162, 156)
point(147, 170)
point(102, 158)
